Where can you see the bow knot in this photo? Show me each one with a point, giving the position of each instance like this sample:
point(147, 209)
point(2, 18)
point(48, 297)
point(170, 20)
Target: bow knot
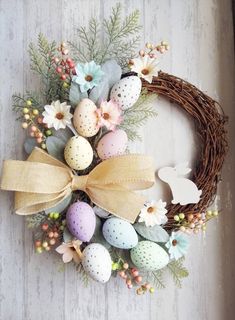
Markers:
point(42, 182)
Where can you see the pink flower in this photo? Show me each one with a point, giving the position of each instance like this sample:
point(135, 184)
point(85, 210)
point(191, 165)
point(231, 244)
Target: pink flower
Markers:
point(109, 115)
point(70, 251)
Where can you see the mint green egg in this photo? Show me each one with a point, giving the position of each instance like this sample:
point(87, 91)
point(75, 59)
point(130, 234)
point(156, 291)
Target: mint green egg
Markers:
point(149, 256)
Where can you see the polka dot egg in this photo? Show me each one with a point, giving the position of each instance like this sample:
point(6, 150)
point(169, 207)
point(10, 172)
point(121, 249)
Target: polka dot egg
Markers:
point(78, 153)
point(112, 144)
point(149, 256)
point(120, 233)
point(85, 118)
point(97, 262)
point(81, 221)
point(126, 91)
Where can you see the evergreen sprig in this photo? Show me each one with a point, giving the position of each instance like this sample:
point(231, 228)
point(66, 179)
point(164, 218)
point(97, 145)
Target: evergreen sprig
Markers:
point(120, 39)
point(178, 271)
point(158, 280)
point(136, 116)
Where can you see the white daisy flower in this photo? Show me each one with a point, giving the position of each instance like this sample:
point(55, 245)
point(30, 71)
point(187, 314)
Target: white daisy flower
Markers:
point(57, 115)
point(146, 67)
point(153, 213)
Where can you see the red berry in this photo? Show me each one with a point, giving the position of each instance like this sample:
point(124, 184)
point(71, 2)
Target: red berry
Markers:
point(71, 65)
point(134, 272)
point(45, 226)
point(138, 279)
point(68, 60)
point(63, 77)
point(58, 70)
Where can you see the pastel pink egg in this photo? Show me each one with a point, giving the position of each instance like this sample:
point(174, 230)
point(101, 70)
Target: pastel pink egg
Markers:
point(112, 144)
point(80, 219)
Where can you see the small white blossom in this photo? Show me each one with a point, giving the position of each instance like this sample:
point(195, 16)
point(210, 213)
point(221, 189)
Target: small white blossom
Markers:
point(153, 213)
point(57, 115)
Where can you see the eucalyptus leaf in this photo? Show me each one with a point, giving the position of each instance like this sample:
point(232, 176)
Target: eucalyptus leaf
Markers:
point(63, 134)
point(101, 92)
point(29, 145)
point(67, 236)
point(112, 75)
point(75, 94)
point(156, 233)
point(98, 235)
point(60, 207)
point(55, 147)
point(112, 71)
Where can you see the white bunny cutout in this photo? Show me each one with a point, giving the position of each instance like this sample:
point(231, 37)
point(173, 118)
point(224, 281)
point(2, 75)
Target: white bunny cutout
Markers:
point(184, 191)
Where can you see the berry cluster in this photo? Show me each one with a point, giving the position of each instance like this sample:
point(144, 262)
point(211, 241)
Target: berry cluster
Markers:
point(151, 49)
point(50, 232)
point(64, 66)
point(194, 222)
point(131, 276)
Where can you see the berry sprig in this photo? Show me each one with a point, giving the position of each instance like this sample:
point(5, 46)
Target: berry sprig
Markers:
point(151, 50)
point(50, 232)
point(64, 65)
point(194, 222)
point(132, 277)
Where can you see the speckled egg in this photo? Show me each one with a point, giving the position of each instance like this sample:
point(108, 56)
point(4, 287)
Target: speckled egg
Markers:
point(126, 91)
point(85, 118)
point(97, 262)
point(80, 220)
point(78, 153)
point(120, 233)
point(149, 256)
point(112, 144)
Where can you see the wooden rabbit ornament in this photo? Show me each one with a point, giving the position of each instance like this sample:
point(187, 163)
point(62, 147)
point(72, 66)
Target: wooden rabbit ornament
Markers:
point(184, 191)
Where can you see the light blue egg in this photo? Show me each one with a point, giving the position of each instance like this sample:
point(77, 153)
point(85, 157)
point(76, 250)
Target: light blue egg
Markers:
point(120, 233)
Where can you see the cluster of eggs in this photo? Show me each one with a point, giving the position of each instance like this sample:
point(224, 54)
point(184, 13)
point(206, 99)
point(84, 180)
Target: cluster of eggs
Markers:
point(120, 234)
point(78, 152)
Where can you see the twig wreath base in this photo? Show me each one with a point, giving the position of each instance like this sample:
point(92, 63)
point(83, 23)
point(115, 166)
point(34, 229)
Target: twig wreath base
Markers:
point(210, 121)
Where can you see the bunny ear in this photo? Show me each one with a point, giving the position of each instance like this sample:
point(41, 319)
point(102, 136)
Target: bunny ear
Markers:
point(182, 168)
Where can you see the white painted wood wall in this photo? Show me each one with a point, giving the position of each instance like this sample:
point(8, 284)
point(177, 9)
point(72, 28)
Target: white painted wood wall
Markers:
point(32, 287)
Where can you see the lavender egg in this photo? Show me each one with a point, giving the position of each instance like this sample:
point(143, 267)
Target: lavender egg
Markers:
point(80, 219)
point(112, 144)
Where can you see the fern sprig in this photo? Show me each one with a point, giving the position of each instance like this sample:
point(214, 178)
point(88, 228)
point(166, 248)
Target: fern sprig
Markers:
point(178, 271)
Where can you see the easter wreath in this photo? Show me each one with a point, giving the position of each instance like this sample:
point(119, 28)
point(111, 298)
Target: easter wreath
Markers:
point(77, 185)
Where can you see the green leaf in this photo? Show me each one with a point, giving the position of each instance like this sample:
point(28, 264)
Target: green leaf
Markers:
point(60, 207)
point(112, 74)
point(55, 147)
point(158, 279)
point(67, 236)
point(63, 134)
point(178, 271)
point(156, 233)
point(75, 94)
point(98, 235)
point(29, 145)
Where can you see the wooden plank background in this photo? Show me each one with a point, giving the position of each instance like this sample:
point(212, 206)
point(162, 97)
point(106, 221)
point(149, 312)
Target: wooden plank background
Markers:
point(32, 286)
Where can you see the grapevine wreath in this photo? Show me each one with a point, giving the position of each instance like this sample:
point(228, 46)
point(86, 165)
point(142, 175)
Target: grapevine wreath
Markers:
point(77, 186)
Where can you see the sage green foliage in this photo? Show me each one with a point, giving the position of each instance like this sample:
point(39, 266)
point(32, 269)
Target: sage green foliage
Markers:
point(35, 220)
point(137, 115)
point(176, 269)
point(41, 58)
point(119, 40)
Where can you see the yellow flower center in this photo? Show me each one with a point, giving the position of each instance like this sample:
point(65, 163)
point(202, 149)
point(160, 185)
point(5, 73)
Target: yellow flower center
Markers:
point(150, 210)
point(89, 78)
point(106, 116)
point(59, 116)
point(145, 72)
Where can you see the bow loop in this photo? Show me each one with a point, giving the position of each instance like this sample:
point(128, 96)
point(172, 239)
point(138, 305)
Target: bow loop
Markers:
point(42, 182)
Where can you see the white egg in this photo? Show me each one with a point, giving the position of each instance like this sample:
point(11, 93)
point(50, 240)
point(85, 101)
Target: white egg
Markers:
point(78, 153)
point(97, 262)
point(126, 91)
point(85, 118)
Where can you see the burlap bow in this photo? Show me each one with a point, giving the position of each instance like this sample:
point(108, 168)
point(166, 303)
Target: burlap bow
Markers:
point(42, 182)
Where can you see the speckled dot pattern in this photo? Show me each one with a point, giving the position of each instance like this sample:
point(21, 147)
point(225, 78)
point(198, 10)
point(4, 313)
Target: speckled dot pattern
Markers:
point(78, 153)
point(112, 144)
point(149, 256)
point(97, 262)
point(85, 118)
point(126, 91)
point(81, 221)
point(120, 233)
